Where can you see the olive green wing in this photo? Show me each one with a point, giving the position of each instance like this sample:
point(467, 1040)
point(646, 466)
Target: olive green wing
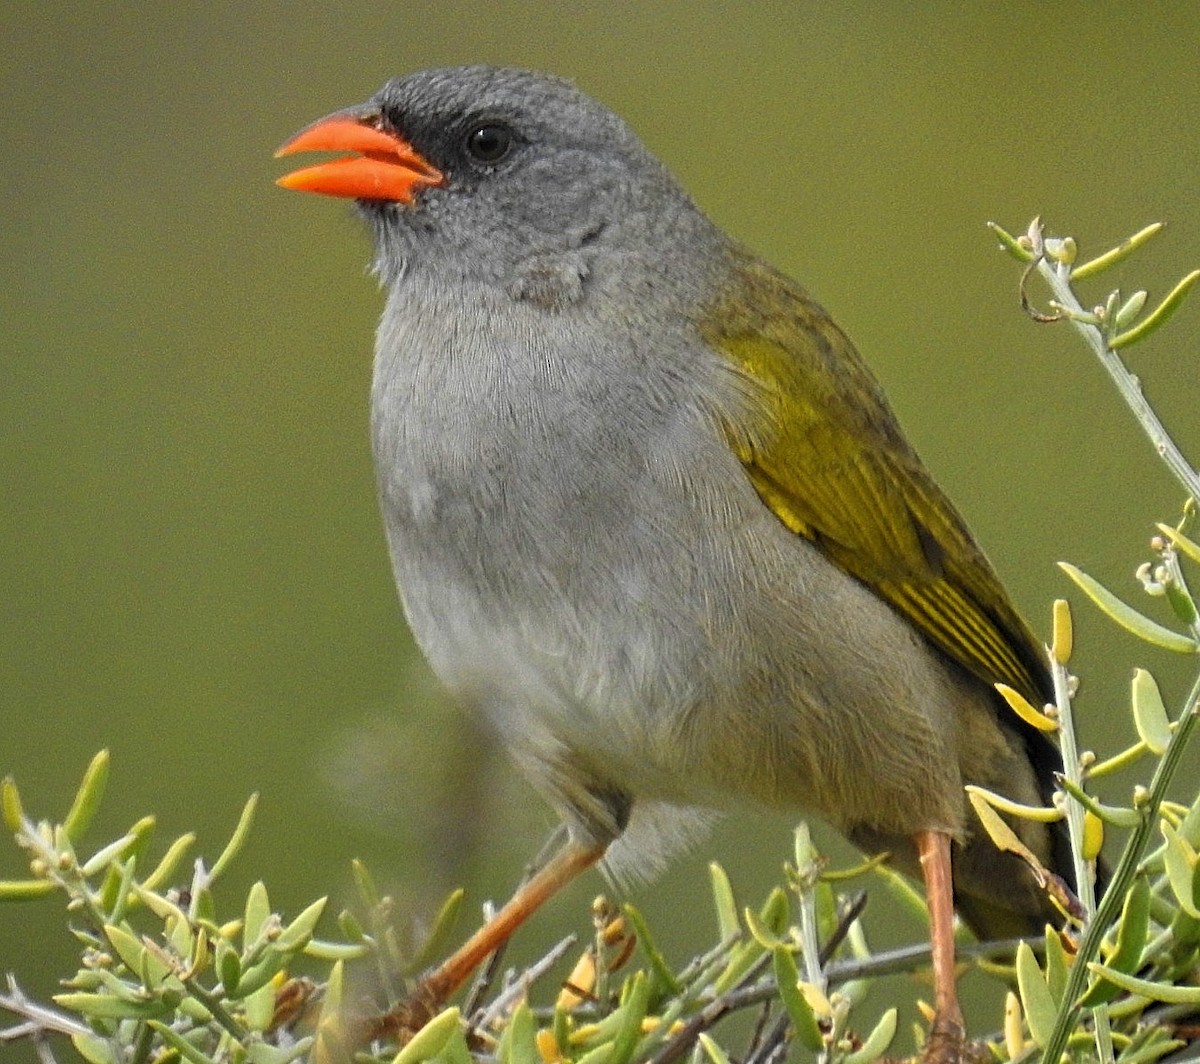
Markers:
point(824, 451)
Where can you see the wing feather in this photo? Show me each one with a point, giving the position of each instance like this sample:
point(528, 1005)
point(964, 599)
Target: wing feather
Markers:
point(825, 453)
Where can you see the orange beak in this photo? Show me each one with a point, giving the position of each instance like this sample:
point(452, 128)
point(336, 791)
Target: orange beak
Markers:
point(386, 167)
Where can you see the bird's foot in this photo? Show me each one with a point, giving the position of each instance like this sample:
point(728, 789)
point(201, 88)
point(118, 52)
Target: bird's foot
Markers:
point(402, 1020)
point(948, 1044)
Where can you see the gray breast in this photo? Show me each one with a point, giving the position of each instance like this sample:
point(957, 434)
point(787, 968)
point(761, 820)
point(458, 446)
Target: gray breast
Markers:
point(581, 555)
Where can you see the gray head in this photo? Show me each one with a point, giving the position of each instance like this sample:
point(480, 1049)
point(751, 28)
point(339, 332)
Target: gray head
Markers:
point(530, 168)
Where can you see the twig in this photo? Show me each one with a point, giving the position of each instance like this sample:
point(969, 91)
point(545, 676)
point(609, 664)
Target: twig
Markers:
point(39, 1021)
point(1058, 276)
point(519, 986)
point(1084, 887)
point(771, 1045)
point(487, 973)
point(852, 912)
point(1114, 896)
point(753, 990)
point(756, 1035)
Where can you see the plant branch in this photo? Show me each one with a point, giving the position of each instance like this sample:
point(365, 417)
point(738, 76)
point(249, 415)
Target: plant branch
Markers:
point(1114, 897)
point(1058, 276)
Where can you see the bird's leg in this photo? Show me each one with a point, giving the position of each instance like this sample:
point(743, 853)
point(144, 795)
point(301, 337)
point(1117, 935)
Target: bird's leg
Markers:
point(946, 1037)
point(437, 986)
point(933, 848)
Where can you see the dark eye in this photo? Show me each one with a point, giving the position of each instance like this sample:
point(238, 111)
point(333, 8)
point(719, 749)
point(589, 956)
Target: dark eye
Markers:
point(489, 144)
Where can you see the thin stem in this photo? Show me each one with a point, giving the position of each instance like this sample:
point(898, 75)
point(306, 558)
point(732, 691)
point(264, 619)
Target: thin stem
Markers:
point(217, 1010)
point(1085, 886)
point(39, 1018)
point(519, 987)
point(1175, 575)
point(1059, 279)
point(70, 878)
point(1114, 897)
point(809, 945)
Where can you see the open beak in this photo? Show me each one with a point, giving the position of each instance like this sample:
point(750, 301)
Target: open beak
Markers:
point(386, 167)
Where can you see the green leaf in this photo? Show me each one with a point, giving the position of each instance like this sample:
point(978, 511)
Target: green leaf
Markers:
point(600, 1033)
point(331, 1003)
point(1130, 309)
point(1058, 965)
point(330, 1044)
point(258, 912)
point(1126, 616)
point(877, 1041)
point(1011, 244)
point(429, 1041)
point(633, 1012)
point(664, 978)
point(350, 926)
point(117, 892)
point(203, 907)
point(561, 1029)
point(439, 935)
point(259, 1006)
point(258, 975)
point(229, 967)
point(1181, 543)
point(1149, 713)
point(599, 1055)
point(1179, 597)
point(760, 933)
point(1181, 994)
point(1036, 1001)
point(185, 1048)
point(93, 1049)
point(127, 947)
point(107, 981)
point(711, 1049)
point(808, 860)
point(170, 861)
point(324, 950)
point(1190, 828)
point(88, 797)
point(1183, 869)
point(1157, 1046)
point(1115, 255)
point(180, 934)
point(771, 922)
point(804, 1020)
point(366, 885)
point(1118, 815)
point(163, 908)
point(741, 959)
point(727, 912)
point(1158, 316)
point(1185, 934)
point(456, 1050)
point(10, 804)
point(106, 855)
point(518, 1043)
point(237, 840)
point(294, 937)
point(1043, 814)
point(109, 1007)
point(776, 912)
point(262, 1053)
point(1131, 940)
point(26, 889)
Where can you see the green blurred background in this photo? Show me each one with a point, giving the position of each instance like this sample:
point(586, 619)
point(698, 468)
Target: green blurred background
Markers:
point(193, 572)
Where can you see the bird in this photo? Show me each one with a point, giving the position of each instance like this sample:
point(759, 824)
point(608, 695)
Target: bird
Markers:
point(652, 518)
